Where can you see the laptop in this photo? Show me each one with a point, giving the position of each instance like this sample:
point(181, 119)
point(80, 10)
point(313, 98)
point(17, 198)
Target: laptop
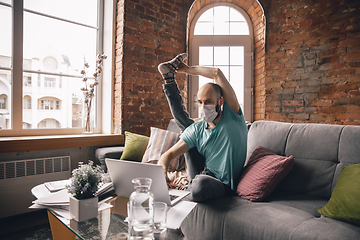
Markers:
point(123, 172)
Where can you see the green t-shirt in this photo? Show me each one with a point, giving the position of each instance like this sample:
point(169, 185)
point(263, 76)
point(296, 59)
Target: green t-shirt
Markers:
point(224, 147)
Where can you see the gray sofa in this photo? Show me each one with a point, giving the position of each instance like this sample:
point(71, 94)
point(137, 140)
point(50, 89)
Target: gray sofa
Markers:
point(320, 151)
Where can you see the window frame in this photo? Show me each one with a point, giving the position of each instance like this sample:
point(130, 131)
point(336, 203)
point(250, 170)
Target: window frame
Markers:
point(104, 92)
point(231, 40)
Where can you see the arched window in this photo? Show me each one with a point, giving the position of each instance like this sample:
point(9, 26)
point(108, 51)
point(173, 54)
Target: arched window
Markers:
point(27, 102)
point(221, 36)
point(3, 101)
point(49, 123)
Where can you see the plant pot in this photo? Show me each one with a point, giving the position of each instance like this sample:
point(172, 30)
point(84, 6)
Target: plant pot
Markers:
point(83, 209)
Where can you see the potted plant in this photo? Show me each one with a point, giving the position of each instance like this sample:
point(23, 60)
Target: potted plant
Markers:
point(89, 92)
point(85, 181)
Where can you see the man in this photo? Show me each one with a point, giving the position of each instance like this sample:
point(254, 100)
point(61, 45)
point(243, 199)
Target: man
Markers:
point(220, 137)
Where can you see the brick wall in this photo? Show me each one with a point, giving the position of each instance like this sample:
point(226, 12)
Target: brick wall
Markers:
point(312, 61)
point(308, 71)
point(148, 33)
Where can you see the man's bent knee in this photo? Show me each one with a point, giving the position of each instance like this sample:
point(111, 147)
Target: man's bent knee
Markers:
point(203, 188)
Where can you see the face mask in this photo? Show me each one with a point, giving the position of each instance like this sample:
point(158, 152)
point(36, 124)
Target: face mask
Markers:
point(208, 113)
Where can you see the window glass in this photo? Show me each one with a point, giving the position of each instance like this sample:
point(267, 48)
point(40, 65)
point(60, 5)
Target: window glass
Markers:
point(221, 14)
point(5, 65)
point(221, 55)
point(206, 56)
point(5, 39)
point(221, 20)
point(82, 11)
point(230, 59)
point(236, 16)
point(207, 16)
point(59, 47)
point(56, 38)
point(221, 28)
point(27, 102)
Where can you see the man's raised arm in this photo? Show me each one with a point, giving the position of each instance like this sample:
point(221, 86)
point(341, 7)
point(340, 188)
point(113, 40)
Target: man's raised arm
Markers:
point(216, 74)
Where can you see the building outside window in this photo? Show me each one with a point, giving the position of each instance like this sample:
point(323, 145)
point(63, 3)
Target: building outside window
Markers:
point(49, 82)
point(27, 102)
point(27, 81)
point(47, 104)
point(2, 103)
point(52, 55)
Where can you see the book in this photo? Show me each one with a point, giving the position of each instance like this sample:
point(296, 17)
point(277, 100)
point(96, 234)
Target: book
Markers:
point(104, 188)
point(57, 185)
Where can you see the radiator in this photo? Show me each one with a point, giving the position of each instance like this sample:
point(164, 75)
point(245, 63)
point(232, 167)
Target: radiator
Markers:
point(17, 178)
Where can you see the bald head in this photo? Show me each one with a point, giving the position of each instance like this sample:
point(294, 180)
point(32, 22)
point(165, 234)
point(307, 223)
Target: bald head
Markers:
point(212, 88)
point(209, 93)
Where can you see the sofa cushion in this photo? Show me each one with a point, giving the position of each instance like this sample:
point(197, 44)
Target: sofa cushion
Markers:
point(305, 202)
point(315, 151)
point(206, 220)
point(269, 134)
point(262, 220)
point(173, 127)
point(135, 146)
point(325, 229)
point(107, 152)
point(344, 203)
point(160, 141)
point(348, 151)
point(262, 174)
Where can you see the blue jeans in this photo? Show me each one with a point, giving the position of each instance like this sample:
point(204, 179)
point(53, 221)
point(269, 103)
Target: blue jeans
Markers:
point(203, 184)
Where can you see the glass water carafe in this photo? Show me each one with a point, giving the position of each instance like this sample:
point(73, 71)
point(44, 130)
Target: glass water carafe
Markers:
point(141, 210)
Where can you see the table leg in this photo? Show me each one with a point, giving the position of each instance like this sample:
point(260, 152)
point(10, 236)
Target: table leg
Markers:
point(58, 230)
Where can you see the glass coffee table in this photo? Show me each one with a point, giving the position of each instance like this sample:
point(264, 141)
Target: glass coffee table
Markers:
point(109, 224)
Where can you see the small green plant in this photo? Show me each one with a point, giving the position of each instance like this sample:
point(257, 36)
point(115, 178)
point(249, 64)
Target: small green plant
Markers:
point(85, 181)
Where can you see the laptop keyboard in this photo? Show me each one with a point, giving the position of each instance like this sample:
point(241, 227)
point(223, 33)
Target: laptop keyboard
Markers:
point(172, 197)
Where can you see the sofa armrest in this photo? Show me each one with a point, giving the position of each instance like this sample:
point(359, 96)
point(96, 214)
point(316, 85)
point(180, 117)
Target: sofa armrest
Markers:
point(107, 152)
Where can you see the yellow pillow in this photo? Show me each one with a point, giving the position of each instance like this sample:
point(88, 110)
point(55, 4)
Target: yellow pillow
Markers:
point(344, 203)
point(135, 146)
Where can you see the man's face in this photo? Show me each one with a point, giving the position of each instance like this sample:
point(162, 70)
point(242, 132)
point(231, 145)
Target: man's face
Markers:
point(207, 96)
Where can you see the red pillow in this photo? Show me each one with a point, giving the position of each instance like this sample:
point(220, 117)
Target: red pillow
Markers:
point(262, 174)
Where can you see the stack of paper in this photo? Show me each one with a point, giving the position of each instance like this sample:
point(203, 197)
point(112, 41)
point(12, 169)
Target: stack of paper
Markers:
point(60, 198)
point(104, 188)
point(57, 185)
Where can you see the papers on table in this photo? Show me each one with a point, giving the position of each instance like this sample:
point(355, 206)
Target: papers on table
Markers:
point(59, 198)
point(57, 185)
point(58, 201)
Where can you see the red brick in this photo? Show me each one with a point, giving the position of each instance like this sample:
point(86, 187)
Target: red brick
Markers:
point(354, 93)
point(293, 103)
point(348, 116)
point(353, 109)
